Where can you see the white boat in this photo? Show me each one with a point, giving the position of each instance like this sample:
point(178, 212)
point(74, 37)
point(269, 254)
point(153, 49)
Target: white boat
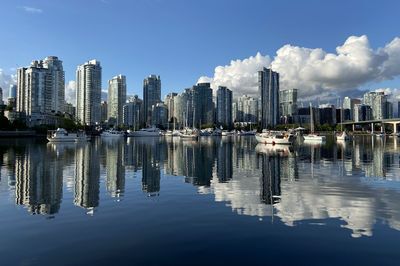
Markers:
point(145, 132)
point(176, 133)
point(62, 135)
point(168, 133)
point(247, 133)
point(274, 137)
point(342, 136)
point(189, 134)
point(312, 137)
point(226, 133)
point(112, 133)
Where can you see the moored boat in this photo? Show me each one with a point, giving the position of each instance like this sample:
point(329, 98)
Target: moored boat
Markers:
point(145, 132)
point(62, 135)
point(274, 137)
point(112, 133)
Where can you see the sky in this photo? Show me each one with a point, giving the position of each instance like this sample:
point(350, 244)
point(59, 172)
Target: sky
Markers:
point(324, 48)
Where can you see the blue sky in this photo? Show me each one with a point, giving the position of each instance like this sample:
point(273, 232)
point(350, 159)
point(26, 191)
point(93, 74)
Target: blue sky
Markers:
point(182, 40)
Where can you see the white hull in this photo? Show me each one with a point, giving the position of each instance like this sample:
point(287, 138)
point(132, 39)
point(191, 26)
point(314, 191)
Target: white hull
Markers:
point(143, 134)
point(314, 138)
point(111, 135)
point(272, 140)
point(67, 139)
point(188, 136)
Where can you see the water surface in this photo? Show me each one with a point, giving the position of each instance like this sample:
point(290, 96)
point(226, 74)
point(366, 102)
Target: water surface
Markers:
point(156, 201)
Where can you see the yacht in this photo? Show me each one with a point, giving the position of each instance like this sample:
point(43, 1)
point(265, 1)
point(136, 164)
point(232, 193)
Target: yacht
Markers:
point(168, 133)
point(62, 135)
point(145, 132)
point(274, 137)
point(112, 133)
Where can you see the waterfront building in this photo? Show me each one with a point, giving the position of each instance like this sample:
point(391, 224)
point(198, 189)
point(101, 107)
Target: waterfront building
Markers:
point(377, 102)
point(160, 115)
point(41, 90)
point(103, 111)
point(132, 112)
point(348, 104)
point(388, 110)
point(287, 105)
point(303, 115)
point(247, 109)
point(183, 109)
point(170, 103)
point(1, 96)
point(362, 112)
point(151, 96)
point(268, 86)
point(202, 104)
point(327, 115)
point(224, 106)
point(116, 99)
point(234, 112)
point(88, 92)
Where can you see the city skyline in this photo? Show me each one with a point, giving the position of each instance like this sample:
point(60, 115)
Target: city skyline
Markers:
point(180, 61)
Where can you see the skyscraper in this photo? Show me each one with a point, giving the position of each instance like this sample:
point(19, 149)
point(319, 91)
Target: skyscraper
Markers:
point(202, 104)
point(288, 105)
point(183, 109)
point(88, 92)
point(247, 109)
point(170, 103)
point(151, 95)
point(41, 89)
point(377, 101)
point(116, 99)
point(1, 96)
point(224, 106)
point(132, 112)
point(348, 104)
point(160, 115)
point(268, 86)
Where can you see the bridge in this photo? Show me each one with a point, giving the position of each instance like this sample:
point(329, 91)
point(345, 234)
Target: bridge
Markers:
point(390, 121)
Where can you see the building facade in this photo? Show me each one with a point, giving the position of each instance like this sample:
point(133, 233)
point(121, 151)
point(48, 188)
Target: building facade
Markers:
point(160, 115)
point(41, 90)
point(224, 106)
point(170, 103)
point(268, 86)
point(348, 104)
point(116, 100)
point(88, 93)
point(377, 102)
point(287, 105)
point(202, 104)
point(362, 112)
point(151, 96)
point(132, 112)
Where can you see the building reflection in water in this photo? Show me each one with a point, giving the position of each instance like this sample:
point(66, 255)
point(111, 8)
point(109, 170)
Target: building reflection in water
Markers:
point(114, 153)
point(354, 181)
point(38, 180)
point(147, 155)
point(87, 176)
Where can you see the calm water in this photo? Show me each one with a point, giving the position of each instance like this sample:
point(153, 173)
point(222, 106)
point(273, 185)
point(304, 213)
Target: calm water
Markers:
point(212, 202)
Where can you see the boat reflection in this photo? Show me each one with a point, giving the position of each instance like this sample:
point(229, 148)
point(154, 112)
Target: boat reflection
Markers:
point(357, 182)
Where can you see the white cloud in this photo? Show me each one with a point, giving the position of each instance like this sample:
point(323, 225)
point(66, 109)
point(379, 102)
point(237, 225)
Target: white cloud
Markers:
point(32, 10)
point(70, 92)
point(315, 72)
point(5, 81)
point(240, 75)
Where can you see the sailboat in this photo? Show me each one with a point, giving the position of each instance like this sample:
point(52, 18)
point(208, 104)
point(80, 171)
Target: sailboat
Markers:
point(342, 135)
point(188, 133)
point(312, 137)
